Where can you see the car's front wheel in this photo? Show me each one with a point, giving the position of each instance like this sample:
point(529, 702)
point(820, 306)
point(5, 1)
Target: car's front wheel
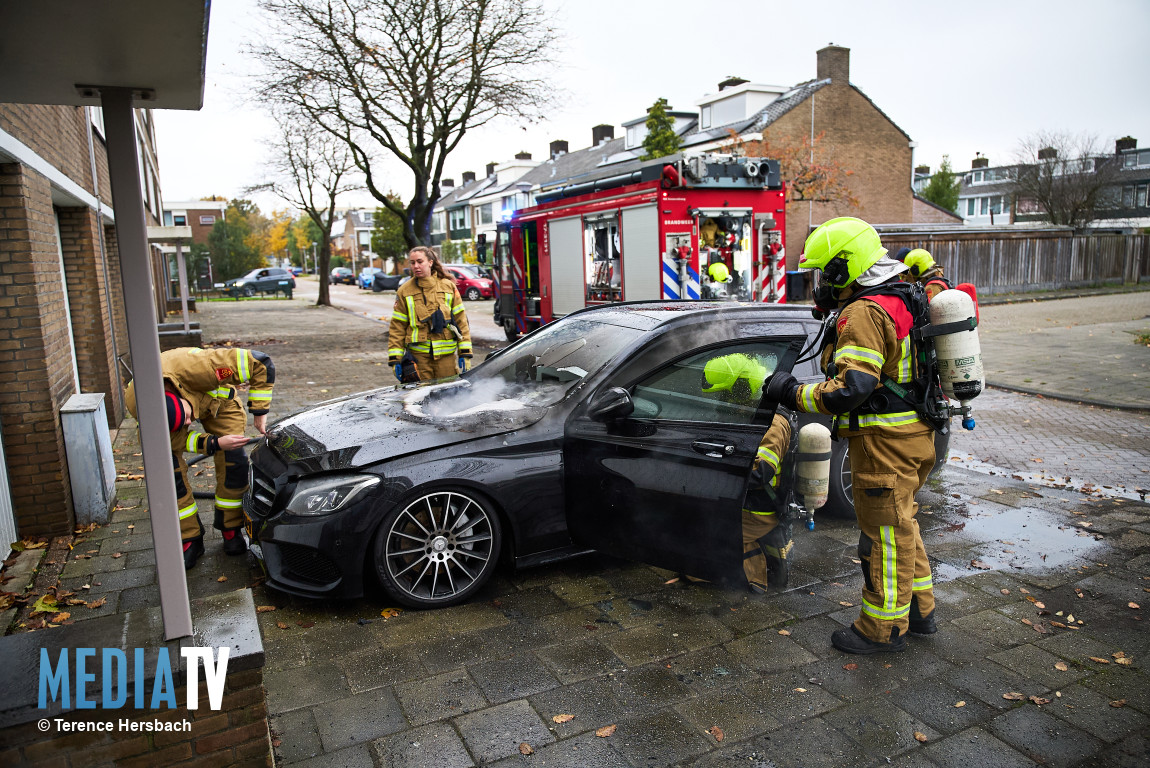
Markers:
point(249, 291)
point(472, 294)
point(437, 549)
point(840, 502)
point(509, 329)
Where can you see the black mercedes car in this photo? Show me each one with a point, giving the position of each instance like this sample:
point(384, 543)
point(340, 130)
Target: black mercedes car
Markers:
point(592, 432)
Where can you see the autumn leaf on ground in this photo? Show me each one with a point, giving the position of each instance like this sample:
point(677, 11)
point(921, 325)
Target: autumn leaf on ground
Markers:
point(1100, 660)
point(716, 731)
point(281, 625)
point(45, 604)
point(1013, 696)
point(845, 604)
point(525, 749)
point(671, 581)
point(605, 731)
point(563, 718)
point(959, 704)
point(1125, 661)
point(116, 555)
point(1027, 622)
point(1039, 604)
point(60, 617)
point(265, 608)
point(800, 690)
point(1004, 591)
point(784, 632)
point(1135, 606)
point(1039, 700)
point(70, 601)
point(850, 667)
point(222, 579)
point(979, 565)
point(97, 603)
point(920, 736)
point(387, 613)
point(1118, 703)
point(1062, 666)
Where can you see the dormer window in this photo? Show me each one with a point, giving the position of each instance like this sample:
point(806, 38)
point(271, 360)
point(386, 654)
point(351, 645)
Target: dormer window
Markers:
point(705, 117)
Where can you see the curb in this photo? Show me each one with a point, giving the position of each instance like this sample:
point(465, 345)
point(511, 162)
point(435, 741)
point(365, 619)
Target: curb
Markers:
point(1020, 298)
point(1068, 399)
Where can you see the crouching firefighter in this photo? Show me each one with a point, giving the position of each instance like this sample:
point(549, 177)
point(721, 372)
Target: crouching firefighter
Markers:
point(870, 358)
point(767, 532)
point(200, 384)
point(429, 337)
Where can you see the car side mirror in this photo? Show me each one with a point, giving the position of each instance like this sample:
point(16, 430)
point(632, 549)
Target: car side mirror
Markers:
point(615, 403)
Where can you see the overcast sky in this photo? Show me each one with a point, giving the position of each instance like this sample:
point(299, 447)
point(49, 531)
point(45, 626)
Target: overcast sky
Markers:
point(959, 78)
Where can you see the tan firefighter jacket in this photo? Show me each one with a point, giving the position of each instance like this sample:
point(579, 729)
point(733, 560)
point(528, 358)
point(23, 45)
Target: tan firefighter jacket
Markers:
point(869, 340)
point(415, 304)
point(207, 377)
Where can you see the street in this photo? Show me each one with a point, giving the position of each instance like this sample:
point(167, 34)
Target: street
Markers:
point(1034, 520)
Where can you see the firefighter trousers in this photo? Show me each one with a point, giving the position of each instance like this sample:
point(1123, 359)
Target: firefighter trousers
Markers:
point(432, 368)
point(755, 526)
point(231, 466)
point(185, 501)
point(887, 472)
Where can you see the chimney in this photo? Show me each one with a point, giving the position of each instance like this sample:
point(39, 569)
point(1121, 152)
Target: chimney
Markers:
point(1048, 153)
point(558, 147)
point(601, 133)
point(922, 170)
point(731, 82)
point(447, 183)
point(490, 170)
point(468, 177)
point(979, 162)
point(1125, 143)
point(523, 156)
point(834, 63)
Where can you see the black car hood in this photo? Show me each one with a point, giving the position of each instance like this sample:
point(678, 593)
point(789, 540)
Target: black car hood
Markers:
point(374, 426)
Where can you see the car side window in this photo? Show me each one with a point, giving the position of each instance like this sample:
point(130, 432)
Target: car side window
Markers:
point(722, 384)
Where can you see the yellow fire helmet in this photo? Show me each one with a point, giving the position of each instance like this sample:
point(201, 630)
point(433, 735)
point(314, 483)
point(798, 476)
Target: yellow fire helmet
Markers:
point(919, 261)
point(719, 272)
point(842, 249)
point(720, 374)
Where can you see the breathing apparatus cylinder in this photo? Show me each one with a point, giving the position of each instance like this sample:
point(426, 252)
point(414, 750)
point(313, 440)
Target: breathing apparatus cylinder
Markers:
point(959, 354)
point(813, 468)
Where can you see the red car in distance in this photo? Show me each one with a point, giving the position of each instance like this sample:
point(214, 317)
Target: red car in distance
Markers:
point(472, 287)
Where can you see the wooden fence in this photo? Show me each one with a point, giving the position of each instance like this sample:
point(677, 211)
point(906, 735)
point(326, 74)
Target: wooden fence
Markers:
point(1003, 263)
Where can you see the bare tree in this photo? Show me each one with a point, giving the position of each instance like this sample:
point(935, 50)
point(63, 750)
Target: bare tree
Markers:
point(406, 78)
point(310, 169)
point(1067, 178)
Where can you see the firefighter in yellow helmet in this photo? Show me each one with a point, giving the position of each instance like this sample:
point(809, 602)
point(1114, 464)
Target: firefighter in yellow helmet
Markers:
point(428, 323)
point(922, 268)
point(200, 384)
point(891, 448)
point(739, 378)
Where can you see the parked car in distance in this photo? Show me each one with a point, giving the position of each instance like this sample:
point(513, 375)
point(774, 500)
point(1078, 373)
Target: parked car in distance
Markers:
point(366, 277)
point(472, 287)
point(264, 280)
point(591, 432)
point(297, 271)
point(342, 275)
point(386, 282)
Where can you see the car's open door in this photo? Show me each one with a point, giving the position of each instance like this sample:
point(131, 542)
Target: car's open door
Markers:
point(656, 470)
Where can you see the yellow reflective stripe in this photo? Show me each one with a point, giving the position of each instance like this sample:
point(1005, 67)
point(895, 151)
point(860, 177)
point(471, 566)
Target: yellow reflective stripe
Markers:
point(242, 366)
point(879, 613)
point(753, 512)
point(458, 309)
point(193, 440)
point(923, 582)
point(422, 346)
point(229, 503)
point(904, 362)
point(188, 511)
point(881, 419)
point(394, 351)
point(447, 297)
point(465, 345)
point(411, 318)
point(889, 567)
point(260, 394)
point(224, 392)
point(860, 353)
point(806, 398)
point(395, 315)
point(768, 455)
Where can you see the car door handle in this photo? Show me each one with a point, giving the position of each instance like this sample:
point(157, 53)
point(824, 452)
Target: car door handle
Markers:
point(714, 450)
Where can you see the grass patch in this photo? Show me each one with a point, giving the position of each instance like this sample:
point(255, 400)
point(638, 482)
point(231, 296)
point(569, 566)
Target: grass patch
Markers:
point(1142, 339)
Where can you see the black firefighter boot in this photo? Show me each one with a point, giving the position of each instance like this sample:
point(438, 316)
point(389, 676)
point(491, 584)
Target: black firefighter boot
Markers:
point(193, 548)
point(776, 546)
point(919, 624)
point(234, 543)
point(850, 640)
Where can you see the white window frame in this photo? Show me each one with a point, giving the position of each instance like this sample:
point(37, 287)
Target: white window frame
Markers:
point(457, 219)
point(971, 207)
point(705, 117)
point(207, 221)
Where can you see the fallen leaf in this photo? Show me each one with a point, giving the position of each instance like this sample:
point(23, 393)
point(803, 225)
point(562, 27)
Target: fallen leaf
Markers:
point(97, 603)
point(1100, 660)
point(1062, 666)
point(671, 581)
point(1013, 696)
point(1004, 591)
point(1028, 622)
point(72, 601)
point(281, 625)
point(131, 527)
point(1118, 703)
point(785, 632)
point(800, 690)
point(1070, 618)
point(1039, 700)
point(1037, 604)
point(960, 704)
point(563, 718)
point(1135, 606)
point(388, 613)
point(920, 736)
point(1024, 590)
point(1118, 654)
point(605, 731)
point(850, 667)
point(979, 565)
point(222, 579)
point(845, 604)
point(44, 604)
point(1058, 624)
point(525, 749)
point(265, 608)
point(716, 731)
point(1126, 661)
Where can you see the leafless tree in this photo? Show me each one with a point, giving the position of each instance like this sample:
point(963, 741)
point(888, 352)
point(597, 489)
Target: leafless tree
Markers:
point(1069, 178)
point(309, 169)
point(406, 78)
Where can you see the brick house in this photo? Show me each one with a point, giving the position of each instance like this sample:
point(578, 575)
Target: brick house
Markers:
point(62, 315)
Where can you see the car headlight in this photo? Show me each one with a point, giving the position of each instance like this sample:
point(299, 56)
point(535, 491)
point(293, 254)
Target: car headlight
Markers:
point(238, 283)
point(324, 495)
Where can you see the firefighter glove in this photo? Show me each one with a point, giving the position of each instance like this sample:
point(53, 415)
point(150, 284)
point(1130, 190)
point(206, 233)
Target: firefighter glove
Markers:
point(464, 363)
point(781, 388)
point(761, 474)
point(399, 371)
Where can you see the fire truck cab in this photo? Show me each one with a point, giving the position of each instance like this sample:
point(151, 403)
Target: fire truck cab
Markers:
point(676, 228)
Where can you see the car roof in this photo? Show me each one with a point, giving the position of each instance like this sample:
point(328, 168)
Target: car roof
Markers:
point(664, 313)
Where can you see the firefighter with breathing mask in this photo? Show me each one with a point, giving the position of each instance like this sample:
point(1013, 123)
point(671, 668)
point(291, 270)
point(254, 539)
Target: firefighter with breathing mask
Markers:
point(429, 337)
point(891, 448)
point(738, 378)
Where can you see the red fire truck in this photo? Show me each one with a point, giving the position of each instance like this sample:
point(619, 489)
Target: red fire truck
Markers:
point(678, 228)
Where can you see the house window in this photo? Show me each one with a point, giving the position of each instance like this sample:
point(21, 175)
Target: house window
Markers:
point(486, 214)
point(705, 117)
point(457, 218)
point(207, 220)
point(1142, 196)
point(996, 204)
point(179, 220)
point(1128, 196)
point(970, 201)
point(977, 177)
point(983, 206)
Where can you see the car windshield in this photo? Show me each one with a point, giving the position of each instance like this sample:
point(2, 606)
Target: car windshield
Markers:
point(253, 274)
point(540, 369)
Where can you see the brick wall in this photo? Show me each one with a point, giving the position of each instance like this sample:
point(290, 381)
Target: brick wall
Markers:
point(860, 137)
point(927, 213)
point(88, 299)
point(55, 133)
point(235, 735)
point(35, 354)
point(119, 311)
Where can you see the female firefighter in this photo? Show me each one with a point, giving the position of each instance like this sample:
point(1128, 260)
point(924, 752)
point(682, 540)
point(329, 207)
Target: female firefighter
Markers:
point(891, 448)
point(429, 337)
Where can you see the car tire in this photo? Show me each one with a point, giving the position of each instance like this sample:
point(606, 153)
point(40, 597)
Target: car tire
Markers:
point(472, 294)
point(248, 291)
point(509, 329)
point(840, 503)
point(424, 559)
